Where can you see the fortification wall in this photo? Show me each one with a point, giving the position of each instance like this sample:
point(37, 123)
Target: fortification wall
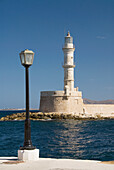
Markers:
point(104, 110)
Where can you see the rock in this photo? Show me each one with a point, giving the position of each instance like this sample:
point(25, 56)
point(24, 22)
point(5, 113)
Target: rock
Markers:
point(55, 115)
point(2, 119)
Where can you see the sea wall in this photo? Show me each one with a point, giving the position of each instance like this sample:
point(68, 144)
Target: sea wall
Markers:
point(56, 115)
point(105, 110)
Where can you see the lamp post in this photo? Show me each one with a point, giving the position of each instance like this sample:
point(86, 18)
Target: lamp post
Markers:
point(27, 57)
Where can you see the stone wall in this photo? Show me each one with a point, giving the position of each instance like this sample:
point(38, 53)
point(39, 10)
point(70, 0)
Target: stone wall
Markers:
point(101, 109)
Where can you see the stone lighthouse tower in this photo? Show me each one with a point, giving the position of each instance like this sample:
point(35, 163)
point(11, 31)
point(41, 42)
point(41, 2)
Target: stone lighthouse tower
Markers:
point(68, 66)
point(70, 99)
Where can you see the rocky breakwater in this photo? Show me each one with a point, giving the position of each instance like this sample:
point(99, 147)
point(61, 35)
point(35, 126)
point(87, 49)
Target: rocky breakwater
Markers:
point(50, 116)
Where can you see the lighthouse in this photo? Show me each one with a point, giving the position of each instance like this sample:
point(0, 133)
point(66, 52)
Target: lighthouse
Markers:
point(70, 99)
point(68, 66)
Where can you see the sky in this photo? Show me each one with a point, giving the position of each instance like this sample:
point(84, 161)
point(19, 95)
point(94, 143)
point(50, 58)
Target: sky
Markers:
point(41, 25)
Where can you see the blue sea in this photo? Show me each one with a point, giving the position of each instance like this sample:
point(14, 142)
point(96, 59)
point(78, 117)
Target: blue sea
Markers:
point(74, 139)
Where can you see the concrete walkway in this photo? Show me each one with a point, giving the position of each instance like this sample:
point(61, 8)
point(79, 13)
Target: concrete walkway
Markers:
point(11, 163)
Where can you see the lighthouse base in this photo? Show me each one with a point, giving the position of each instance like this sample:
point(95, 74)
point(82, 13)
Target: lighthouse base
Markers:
point(58, 101)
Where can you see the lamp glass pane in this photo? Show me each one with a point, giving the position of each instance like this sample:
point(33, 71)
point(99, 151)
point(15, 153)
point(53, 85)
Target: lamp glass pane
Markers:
point(22, 59)
point(29, 59)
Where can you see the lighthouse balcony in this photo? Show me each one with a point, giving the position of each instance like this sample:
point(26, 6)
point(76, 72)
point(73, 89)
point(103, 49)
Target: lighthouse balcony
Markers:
point(68, 45)
point(68, 65)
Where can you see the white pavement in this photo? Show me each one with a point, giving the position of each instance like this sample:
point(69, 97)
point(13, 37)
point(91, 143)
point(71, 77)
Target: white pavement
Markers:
point(52, 164)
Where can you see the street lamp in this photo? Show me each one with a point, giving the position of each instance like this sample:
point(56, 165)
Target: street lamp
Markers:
point(27, 57)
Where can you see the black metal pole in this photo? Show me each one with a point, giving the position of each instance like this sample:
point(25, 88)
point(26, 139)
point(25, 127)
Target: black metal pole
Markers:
point(27, 139)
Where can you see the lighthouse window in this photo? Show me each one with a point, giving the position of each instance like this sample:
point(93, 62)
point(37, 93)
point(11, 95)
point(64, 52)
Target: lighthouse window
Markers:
point(71, 57)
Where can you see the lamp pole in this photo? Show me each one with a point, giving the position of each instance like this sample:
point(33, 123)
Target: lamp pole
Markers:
point(27, 60)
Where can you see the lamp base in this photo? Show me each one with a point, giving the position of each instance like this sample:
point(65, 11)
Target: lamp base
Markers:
point(27, 155)
point(27, 147)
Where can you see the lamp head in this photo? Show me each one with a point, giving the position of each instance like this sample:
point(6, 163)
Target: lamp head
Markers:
point(26, 57)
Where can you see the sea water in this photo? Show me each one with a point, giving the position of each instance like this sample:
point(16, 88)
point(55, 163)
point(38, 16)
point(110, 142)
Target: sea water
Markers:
point(71, 139)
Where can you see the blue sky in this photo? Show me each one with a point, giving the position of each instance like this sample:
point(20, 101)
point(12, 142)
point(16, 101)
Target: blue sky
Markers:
point(40, 25)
